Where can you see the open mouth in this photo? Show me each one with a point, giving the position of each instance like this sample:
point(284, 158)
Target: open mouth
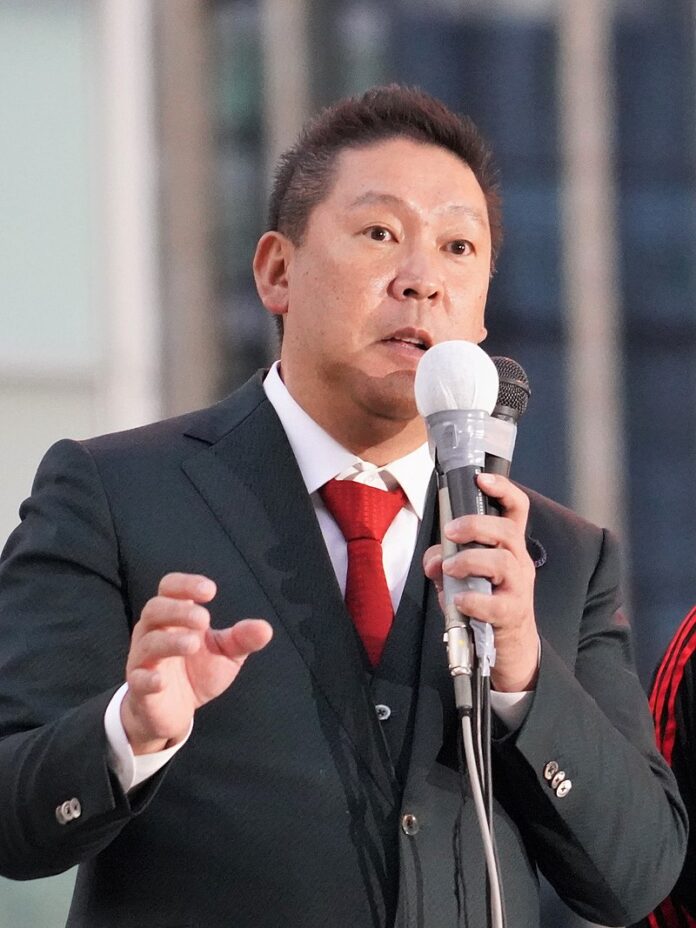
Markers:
point(420, 341)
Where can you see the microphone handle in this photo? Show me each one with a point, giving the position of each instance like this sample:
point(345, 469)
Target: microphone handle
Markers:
point(465, 498)
point(501, 467)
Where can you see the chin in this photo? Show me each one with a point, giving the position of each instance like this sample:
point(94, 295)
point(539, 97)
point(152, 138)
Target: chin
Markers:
point(392, 396)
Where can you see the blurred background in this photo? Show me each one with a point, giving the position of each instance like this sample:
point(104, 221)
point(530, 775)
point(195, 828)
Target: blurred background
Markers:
point(137, 143)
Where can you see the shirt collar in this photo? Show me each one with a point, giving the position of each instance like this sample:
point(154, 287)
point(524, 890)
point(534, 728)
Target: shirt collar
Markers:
point(320, 457)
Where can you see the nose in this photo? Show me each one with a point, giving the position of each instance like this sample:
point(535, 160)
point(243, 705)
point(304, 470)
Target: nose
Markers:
point(417, 279)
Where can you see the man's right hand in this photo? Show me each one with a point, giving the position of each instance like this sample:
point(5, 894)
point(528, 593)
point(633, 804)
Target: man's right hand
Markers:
point(177, 662)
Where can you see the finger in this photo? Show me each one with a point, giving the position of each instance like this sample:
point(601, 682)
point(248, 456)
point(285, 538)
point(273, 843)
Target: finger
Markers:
point(159, 645)
point(432, 563)
point(490, 609)
point(187, 586)
point(503, 612)
point(491, 531)
point(145, 682)
point(495, 564)
point(163, 611)
point(514, 501)
point(241, 639)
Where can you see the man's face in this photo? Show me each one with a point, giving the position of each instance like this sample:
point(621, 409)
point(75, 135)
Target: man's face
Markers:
point(395, 259)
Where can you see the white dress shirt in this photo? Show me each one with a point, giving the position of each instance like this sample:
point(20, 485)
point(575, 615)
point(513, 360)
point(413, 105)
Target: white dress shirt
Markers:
point(321, 458)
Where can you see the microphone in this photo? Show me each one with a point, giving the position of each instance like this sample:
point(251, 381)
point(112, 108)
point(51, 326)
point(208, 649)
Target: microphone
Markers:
point(456, 388)
point(513, 396)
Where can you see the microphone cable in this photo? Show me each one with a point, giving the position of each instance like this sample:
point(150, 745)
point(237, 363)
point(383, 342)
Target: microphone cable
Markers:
point(469, 690)
point(471, 430)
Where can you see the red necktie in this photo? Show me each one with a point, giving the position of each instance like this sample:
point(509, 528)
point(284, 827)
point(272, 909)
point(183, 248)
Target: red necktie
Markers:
point(364, 514)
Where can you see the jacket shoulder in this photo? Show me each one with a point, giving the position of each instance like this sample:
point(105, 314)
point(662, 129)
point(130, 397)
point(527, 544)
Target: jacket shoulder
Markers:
point(547, 514)
point(204, 426)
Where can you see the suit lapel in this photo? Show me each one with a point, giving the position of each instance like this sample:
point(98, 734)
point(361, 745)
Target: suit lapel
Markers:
point(250, 480)
point(434, 685)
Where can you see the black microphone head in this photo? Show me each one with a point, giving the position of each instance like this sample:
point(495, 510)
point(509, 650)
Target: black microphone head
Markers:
point(513, 390)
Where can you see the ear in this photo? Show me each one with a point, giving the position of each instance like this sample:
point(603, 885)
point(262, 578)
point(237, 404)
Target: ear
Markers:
point(271, 262)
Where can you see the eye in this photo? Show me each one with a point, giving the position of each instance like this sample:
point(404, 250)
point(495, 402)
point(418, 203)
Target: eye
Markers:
point(460, 246)
point(379, 234)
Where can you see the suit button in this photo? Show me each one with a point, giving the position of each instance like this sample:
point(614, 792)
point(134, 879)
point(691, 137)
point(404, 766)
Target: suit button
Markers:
point(550, 770)
point(410, 825)
point(383, 712)
point(564, 788)
point(68, 810)
point(558, 779)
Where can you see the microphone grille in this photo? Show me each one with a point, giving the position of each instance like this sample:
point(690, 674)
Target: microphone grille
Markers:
point(513, 390)
point(455, 375)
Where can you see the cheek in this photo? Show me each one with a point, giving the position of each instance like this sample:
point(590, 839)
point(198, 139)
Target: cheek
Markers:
point(352, 292)
point(482, 296)
point(355, 265)
point(469, 305)
point(337, 294)
point(475, 291)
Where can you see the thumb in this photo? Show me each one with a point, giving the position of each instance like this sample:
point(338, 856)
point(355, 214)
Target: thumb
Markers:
point(241, 639)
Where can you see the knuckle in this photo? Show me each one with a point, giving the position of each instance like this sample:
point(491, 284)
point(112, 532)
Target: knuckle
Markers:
point(169, 582)
point(156, 609)
point(137, 678)
point(508, 532)
point(181, 610)
point(462, 525)
point(147, 647)
point(497, 610)
point(150, 608)
point(198, 614)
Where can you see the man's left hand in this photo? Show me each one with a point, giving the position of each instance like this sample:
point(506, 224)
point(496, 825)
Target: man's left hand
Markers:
point(506, 563)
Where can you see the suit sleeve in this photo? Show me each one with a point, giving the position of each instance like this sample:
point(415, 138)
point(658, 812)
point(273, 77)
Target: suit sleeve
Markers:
point(65, 630)
point(673, 706)
point(612, 840)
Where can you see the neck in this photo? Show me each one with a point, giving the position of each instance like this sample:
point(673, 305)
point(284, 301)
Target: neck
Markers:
point(377, 438)
point(376, 445)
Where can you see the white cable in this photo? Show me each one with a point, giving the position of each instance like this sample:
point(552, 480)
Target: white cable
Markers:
point(491, 863)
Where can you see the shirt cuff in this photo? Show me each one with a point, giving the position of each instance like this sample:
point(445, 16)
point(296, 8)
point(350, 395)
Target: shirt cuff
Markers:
point(130, 769)
point(511, 708)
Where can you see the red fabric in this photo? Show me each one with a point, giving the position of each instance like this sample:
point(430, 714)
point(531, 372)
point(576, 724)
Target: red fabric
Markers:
point(663, 697)
point(670, 915)
point(667, 681)
point(364, 514)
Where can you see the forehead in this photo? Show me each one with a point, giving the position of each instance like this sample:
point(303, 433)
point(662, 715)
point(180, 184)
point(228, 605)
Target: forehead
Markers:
point(415, 172)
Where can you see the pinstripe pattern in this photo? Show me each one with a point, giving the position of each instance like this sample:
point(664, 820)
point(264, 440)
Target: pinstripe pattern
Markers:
point(663, 696)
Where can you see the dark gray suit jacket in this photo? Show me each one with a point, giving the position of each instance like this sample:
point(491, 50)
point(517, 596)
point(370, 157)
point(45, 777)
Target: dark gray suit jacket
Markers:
point(286, 806)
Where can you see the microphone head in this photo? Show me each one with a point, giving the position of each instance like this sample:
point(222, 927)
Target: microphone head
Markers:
point(514, 390)
point(455, 375)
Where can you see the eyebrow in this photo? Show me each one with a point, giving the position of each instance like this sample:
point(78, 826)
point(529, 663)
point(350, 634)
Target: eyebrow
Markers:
point(372, 196)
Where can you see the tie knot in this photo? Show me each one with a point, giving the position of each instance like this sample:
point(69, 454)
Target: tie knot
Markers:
point(362, 511)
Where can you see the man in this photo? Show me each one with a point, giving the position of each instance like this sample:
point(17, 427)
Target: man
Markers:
point(320, 785)
point(673, 706)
